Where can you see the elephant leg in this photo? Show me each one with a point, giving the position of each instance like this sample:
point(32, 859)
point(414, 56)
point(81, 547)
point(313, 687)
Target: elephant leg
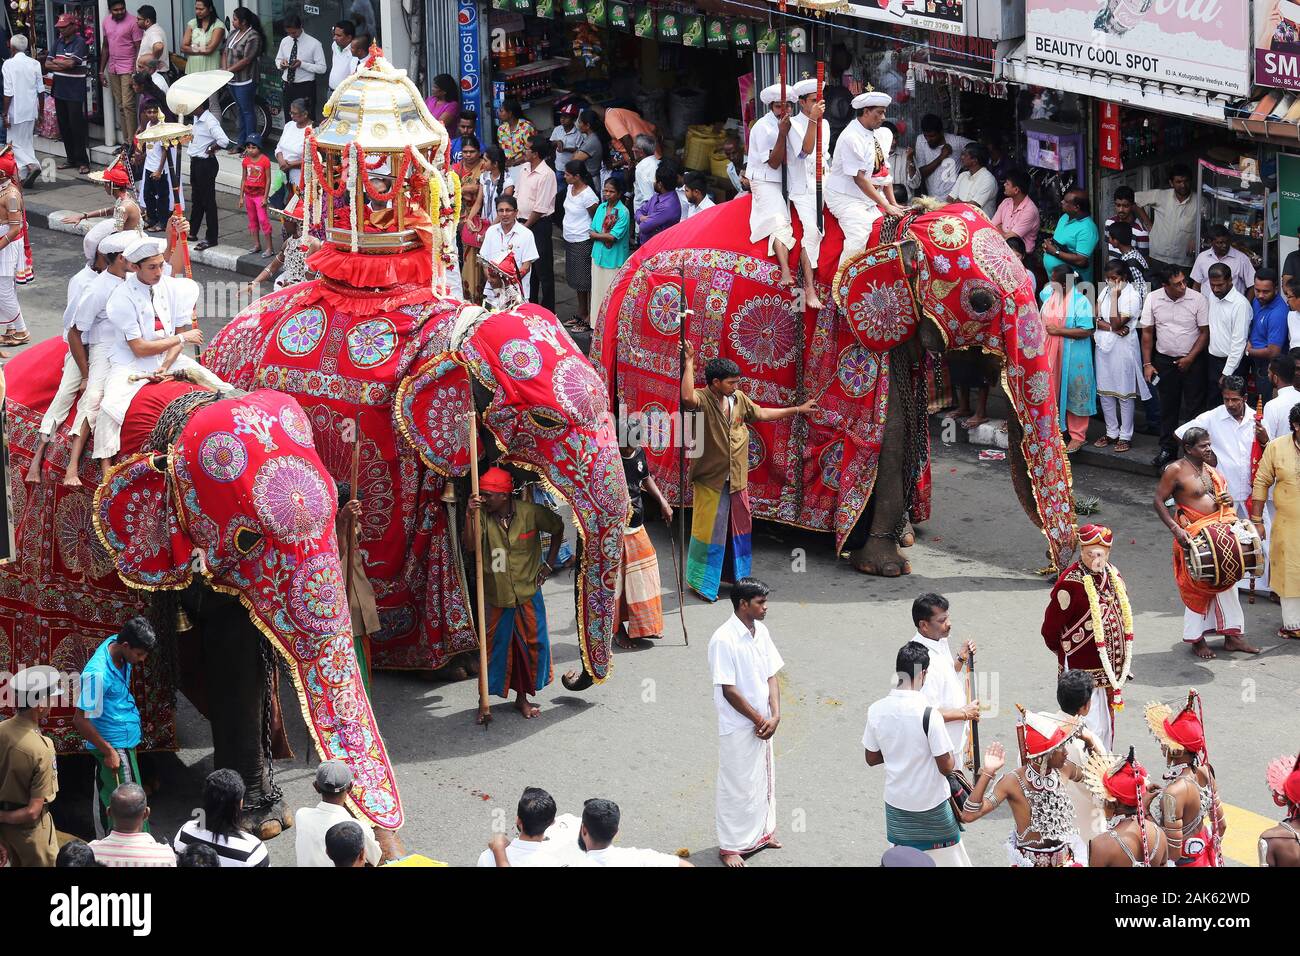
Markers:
point(237, 679)
point(880, 553)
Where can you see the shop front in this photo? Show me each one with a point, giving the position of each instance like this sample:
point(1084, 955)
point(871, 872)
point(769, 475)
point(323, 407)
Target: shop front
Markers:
point(1119, 98)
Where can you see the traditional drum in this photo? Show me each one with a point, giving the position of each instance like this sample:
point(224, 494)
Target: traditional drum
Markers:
point(1221, 554)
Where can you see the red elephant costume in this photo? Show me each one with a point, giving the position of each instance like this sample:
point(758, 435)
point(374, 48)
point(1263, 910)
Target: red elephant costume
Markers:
point(818, 471)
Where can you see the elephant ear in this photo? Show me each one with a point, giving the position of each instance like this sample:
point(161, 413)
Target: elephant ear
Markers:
point(874, 288)
point(136, 519)
point(432, 410)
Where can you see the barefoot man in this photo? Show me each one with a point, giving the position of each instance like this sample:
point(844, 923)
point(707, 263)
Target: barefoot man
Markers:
point(744, 663)
point(1201, 497)
point(519, 648)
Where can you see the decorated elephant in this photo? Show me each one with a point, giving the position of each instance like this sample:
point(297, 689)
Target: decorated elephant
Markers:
point(935, 279)
point(221, 504)
point(404, 373)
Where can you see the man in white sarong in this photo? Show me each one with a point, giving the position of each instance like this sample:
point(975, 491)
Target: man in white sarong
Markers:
point(859, 172)
point(144, 313)
point(805, 203)
point(73, 375)
point(777, 154)
point(88, 343)
point(1232, 435)
point(744, 664)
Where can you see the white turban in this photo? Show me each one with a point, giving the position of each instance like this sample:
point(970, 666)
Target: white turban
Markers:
point(803, 88)
point(772, 94)
point(94, 236)
point(118, 241)
point(143, 249)
point(863, 100)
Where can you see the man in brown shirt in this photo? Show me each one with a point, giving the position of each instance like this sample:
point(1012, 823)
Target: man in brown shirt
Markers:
point(510, 544)
point(720, 471)
point(29, 778)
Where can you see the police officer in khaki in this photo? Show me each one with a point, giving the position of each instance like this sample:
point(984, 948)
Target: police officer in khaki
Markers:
point(29, 778)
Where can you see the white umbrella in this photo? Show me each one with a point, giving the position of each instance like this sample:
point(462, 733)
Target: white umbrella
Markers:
point(194, 89)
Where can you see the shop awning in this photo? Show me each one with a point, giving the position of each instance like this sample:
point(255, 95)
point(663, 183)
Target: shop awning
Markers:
point(1271, 115)
point(1161, 98)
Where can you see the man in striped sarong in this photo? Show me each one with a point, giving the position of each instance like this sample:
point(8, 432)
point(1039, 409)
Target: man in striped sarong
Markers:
point(917, 755)
point(640, 607)
point(519, 648)
point(720, 471)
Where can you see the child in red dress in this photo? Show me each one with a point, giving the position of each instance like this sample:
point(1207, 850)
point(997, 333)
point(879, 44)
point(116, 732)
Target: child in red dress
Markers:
point(252, 194)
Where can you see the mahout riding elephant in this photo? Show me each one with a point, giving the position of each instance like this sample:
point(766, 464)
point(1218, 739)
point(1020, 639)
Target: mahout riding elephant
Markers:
point(403, 372)
point(936, 279)
point(219, 503)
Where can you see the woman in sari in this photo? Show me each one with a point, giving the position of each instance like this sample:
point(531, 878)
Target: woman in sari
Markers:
point(1068, 320)
point(611, 241)
point(472, 224)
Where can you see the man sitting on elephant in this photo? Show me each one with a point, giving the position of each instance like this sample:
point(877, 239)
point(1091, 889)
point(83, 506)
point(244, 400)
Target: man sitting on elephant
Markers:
point(144, 312)
point(855, 191)
point(107, 715)
point(720, 471)
point(509, 542)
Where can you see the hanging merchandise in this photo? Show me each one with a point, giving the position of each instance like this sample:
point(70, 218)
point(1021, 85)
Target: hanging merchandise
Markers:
point(670, 27)
point(716, 34)
point(573, 10)
point(545, 9)
point(769, 39)
point(588, 46)
point(645, 23)
point(522, 6)
point(693, 31)
point(596, 13)
point(621, 16)
point(742, 36)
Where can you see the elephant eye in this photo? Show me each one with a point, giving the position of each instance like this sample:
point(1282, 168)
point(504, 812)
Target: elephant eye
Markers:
point(246, 539)
point(981, 301)
point(546, 420)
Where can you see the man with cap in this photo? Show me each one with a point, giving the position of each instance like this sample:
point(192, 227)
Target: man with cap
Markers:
point(29, 778)
point(508, 544)
point(1280, 845)
point(67, 65)
point(805, 203)
point(778, 174)
point(565, 140)
point(1088, 625)
point(856, 187)
point(1043, 818)
point(71, 384)
point(1187, 807)
point(88, 343)
point(333, 781)
point(1129, 839)
point(144, 314)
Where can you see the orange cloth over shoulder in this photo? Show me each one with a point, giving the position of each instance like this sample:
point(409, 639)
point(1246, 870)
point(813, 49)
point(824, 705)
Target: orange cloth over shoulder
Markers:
point(1197, 596)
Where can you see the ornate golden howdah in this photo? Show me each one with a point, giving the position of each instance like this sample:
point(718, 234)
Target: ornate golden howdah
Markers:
point(376, 177)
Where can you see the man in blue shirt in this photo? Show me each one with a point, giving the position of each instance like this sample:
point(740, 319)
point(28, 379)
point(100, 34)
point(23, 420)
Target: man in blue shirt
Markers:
point(1268, 329)
point(106, 714)
point(1075, 238)
point(465, 126)
point(67, 61)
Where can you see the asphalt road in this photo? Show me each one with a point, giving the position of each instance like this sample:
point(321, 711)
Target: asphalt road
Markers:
point(646, 738)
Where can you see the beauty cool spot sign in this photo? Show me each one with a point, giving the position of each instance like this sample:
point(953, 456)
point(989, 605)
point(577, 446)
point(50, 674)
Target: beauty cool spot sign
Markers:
point(1201, 44)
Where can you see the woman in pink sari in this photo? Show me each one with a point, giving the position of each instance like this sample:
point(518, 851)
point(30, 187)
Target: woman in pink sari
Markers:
point(444, 104)
point(1068, 321)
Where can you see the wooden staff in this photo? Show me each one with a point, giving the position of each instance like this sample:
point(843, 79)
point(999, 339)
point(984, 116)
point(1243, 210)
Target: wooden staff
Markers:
point(785, 187)
point(973, 740)
point(821, 82)
point(484, 710)
point(679, 556)
point(1256, 453)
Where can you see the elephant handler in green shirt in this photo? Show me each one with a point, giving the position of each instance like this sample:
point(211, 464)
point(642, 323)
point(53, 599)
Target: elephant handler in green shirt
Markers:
point(519, 649)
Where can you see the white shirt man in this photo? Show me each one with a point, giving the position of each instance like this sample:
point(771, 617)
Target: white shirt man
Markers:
point(979, 189)
point(140, 312)
point(643, 183)
point(70, 383)
point(690, 209)
point(291, 148)
point(945, 690)
point(1277, 411)
point(805, 203)
point(859, 152)
point(91, 322)
point(207, 132)
point(940, 183)
point(310, 825)
point(916, 792)
point(342, 64)
point(24, 84)
point(746, 787)
point(1230, 316)
point(497, 244)
point(311, 58)
point(769, 214)
point(153, 45)
point(1238, 263)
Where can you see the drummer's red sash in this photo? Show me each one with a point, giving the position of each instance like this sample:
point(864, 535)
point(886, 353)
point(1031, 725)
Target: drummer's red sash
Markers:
point(1196, 595)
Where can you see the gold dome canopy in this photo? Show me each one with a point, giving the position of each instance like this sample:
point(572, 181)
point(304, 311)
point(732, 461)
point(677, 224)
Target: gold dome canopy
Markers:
point(379, 109)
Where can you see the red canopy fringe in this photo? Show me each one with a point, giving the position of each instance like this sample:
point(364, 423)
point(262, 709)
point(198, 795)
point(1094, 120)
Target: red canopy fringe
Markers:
point(373, 271)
